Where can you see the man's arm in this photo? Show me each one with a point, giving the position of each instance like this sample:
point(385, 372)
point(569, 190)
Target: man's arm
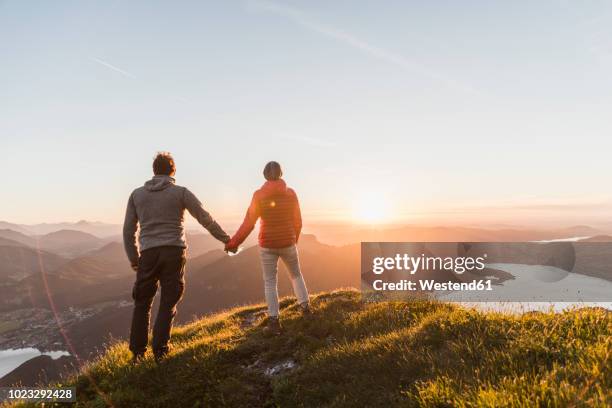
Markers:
point(250, 219)
point(297, 218)
point(130, 226)
point(195, 208)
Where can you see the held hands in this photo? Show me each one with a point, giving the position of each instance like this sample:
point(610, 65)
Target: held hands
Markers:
point(231, 247)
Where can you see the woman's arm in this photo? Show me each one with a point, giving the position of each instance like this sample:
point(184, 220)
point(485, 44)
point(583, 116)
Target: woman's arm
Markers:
point(250, 219)
point(297, 218)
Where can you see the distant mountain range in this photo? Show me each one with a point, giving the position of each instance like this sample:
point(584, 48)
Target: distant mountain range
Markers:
point(68, 243)
point(98, 229)
point(339, 235)
point(82, 268)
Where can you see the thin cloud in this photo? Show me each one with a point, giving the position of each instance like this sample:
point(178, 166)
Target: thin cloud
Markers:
point(305, 21)
point(112, 67)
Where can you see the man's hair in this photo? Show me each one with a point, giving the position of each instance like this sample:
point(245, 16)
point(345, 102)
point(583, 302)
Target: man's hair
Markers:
point(272, 171)
point(163, 165)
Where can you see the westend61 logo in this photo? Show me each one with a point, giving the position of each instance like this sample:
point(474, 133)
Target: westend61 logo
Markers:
point(412, 264)
point(488, 271)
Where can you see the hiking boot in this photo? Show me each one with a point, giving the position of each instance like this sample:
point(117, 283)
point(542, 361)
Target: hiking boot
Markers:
point(273, 326)
point(137, 358)
point(305, 308)
point(161, 356)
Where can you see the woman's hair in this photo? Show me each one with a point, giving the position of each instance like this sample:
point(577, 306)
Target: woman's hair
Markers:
point(164, 164)
point(272, 171)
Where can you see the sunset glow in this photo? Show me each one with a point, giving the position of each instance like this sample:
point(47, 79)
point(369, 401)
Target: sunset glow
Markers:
point(371, 208)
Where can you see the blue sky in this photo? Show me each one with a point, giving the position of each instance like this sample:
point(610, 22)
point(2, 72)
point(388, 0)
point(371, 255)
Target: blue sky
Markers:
point(424, 110)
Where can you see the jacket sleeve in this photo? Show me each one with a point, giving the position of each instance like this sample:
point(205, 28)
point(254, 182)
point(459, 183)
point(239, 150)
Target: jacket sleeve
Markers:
point(297, 218)
point(195, 208)
point(250, 219)
point(130, 226)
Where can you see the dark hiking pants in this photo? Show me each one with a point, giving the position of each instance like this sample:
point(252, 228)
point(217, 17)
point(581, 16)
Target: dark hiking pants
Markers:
point(163, 265)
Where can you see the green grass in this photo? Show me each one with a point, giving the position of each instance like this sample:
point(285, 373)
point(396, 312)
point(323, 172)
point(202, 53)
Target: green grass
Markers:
point(352, 353)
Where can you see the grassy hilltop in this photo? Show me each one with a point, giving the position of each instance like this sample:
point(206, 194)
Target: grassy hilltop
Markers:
point(352, 353)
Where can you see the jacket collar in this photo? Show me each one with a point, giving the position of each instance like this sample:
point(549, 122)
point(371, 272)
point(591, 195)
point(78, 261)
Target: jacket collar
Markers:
point(274, 186)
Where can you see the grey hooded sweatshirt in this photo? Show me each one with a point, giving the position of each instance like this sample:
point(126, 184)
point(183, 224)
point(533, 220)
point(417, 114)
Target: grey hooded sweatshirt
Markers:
point(158, 208)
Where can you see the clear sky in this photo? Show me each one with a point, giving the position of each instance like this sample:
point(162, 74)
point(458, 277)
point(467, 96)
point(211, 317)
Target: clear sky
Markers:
point(416, 109)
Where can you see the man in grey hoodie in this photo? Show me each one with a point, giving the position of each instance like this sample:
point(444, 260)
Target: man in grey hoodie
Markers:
point(158, 208)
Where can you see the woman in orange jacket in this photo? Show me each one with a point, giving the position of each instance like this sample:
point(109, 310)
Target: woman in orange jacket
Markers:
point(280, 226)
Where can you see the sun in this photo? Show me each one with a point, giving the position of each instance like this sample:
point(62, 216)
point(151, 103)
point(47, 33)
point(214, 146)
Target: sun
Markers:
point(371, 208)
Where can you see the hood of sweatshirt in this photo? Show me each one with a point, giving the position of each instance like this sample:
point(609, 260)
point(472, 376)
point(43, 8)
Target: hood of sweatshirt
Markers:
point(274, 186)
point(158, 183)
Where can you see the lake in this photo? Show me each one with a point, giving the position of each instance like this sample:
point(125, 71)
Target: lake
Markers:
point(537, 282)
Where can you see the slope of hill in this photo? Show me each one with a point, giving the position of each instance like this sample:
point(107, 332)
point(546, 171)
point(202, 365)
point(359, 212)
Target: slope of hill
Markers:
point(18, 237)
point(69, 243)
point(10, 242)
point(352, 353)
point(18, 261)
point(106, 263)
point(97, 276)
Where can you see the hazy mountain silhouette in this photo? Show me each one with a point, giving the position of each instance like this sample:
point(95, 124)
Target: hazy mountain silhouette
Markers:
point(18, 261)
point(99, 229)
point(220, 281)
point(345, 234)
point(10, 242)
point(14, 227)
point(38, 370)
point(69, 243)
point(205, 259)
point(18, 237)
point(201, 243)
point(95, 277)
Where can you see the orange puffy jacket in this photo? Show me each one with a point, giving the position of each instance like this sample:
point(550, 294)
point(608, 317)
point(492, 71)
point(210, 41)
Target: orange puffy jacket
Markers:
point(281, 219)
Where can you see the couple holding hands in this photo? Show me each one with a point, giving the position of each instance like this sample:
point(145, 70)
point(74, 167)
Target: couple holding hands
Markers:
point(155, 217)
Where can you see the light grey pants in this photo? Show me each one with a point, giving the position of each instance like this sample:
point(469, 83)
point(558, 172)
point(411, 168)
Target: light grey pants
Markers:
point(269, 264)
